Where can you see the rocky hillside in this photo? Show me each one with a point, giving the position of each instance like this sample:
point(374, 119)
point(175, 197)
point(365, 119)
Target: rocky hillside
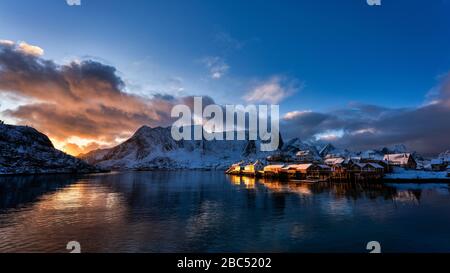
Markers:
point(24, 150)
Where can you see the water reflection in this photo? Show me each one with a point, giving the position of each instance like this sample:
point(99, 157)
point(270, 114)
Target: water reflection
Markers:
point(211, 212)
point(389, 191)
point(19, 190)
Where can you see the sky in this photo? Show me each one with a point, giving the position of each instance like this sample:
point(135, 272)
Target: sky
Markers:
point(341, 71)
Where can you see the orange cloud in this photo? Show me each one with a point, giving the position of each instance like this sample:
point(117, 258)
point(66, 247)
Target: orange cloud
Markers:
point(76, 150)
point(82, 99)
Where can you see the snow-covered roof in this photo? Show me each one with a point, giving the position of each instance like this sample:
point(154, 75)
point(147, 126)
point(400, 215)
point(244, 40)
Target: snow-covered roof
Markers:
point(322, 166)
point(375, 165)
point(273, 166)
point(361, 165)
point(300, 166)
point(401, 159)
point(301, 153)
point(334, 161)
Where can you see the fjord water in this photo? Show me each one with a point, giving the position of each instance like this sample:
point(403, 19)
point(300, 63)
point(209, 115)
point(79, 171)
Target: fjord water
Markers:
point(194, 211)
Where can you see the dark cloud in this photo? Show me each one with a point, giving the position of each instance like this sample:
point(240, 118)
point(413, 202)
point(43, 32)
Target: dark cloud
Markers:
point(425, 129)
point(83, 99)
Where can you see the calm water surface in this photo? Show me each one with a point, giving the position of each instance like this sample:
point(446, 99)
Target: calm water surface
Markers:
point(210, 212)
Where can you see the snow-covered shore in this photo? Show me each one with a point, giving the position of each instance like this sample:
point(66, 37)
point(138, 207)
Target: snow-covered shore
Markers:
point(402, 174)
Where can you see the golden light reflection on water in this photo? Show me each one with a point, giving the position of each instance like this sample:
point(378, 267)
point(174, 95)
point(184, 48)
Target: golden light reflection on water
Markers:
point(248, 182)
point(235, 180)
point(272, 185)
point(303, 189)
point(79, 209)
point(195, 211)
point(79, 195)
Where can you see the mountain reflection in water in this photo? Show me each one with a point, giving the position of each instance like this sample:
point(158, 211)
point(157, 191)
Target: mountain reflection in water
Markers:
point(194, 211)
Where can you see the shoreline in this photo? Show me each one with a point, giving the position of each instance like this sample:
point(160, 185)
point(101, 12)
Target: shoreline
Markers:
point(51, 173)
point(440, 180)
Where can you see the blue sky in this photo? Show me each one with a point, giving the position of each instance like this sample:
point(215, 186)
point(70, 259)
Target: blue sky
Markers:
point(340, 51)
point(324, 55)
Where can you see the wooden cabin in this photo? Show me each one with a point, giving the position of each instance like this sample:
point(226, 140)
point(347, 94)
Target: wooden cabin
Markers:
point(272, 170)
point(323, 167)
point(355, 170)
point(304, 168)
point(367, 171)
point(236, 168)
point(253, 168)
point(357, 167)
point(288, 171)
point(339, 167)
point(374, 168)
point(321, 171)
point(335, 161)
point(438, 165)
point(300, 171)
point(305, 156)
point(405, 160)
point(383, 163)
point(339, 172)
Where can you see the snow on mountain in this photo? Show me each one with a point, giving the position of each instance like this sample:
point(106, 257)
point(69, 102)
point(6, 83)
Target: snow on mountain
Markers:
point(294, 145)
point(329, 151)
point(395, 149)
point(154, 148)
point(292, 148)
point(24, 150)
point(371, 154)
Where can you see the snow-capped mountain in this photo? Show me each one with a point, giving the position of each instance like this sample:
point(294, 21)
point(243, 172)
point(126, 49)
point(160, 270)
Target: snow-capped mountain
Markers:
point(329, 151)
point(394, 149)
point(292, 148)
point(24, 150)
point(154, 148)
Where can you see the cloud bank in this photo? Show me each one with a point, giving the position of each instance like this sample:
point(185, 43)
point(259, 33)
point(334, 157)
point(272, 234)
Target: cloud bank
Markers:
point(425, 129)
point(83, 99)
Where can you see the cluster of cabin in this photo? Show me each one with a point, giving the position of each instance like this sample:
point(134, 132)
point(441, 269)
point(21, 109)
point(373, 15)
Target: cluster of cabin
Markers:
point(330, 169)
point(334, 168)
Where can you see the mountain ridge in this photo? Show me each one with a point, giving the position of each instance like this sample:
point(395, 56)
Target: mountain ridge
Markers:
point(25, 150)
point(155, 148)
